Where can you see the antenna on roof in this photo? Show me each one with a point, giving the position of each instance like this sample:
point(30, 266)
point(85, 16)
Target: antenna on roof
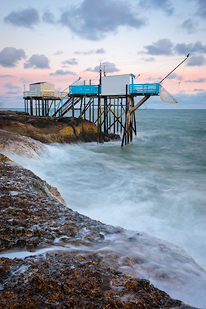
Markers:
point(174, 69)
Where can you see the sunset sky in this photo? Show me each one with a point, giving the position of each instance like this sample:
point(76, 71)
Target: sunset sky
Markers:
point(60, 41)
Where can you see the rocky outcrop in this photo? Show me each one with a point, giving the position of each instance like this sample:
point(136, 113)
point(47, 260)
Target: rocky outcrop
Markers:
point(73, 274)
point(50, 130)
point(21, 145)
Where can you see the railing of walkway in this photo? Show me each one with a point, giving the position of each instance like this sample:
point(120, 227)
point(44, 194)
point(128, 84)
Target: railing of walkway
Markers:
point(144, 88)
point(44, 93)
point(84, 89)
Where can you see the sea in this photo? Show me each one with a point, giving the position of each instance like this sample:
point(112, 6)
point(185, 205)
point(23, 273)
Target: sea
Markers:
point(156, 184)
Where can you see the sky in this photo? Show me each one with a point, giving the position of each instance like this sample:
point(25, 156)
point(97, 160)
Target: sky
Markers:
point(60, 41)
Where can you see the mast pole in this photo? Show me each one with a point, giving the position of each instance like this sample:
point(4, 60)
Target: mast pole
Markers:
point(100, 74)
point(174, 69)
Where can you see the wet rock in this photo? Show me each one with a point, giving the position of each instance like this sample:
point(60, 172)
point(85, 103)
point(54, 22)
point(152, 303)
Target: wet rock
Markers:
point(73, 281)
point(81, 272)
point(21, 145)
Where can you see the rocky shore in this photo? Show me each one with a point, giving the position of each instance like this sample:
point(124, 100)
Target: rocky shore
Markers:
point(51, 130)
point(65, 258)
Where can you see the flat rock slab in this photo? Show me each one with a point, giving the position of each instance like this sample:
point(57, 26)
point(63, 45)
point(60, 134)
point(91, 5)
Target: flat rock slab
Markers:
point(51, 130)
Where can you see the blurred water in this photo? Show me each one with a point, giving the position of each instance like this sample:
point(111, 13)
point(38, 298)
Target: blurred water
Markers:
point(157, 184)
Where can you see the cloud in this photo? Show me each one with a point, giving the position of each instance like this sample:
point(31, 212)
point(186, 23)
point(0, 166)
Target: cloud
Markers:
point(196, 61)
point(91, 51)
point(201, 11)
point(48, 17)
point(67, 62)
point(153, 78)
point(100, 51)
point(13, 92)
point(94, 19)
point(175, 76)
point(166, 47)
point(12, 89)
point(37, 62)
point(161, 47)
point(10, 56)
point(60, 52)
point(192, 100)
point(5, 76)
point(165, 5)
point(198, 89)
point(25, 80)
point(10, 86)
point(151, 59)
point(109, 68)
point(189, 26)
point(61, 72)
point(23, 18)
point(184, 49)
point(198, 80)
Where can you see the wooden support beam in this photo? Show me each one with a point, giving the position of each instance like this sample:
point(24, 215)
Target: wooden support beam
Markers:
point(42, 107)
point(121, 115)
point(73, 107)
point(84, 107)
point(31, 107)
point(110, 120)
point(39, 112)
point(116, 119)
point(81, 107)
point(105, 116)
point(144, 99)
point(51, 105)
point(134, 118)
point(99, 117)
point(128, 124)
point(92, 109)
point(90, 112)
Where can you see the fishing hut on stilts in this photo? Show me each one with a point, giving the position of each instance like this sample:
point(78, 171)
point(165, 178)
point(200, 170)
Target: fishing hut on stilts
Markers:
point(110, 104)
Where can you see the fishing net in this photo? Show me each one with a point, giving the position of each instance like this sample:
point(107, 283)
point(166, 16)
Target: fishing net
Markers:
point(166, 96)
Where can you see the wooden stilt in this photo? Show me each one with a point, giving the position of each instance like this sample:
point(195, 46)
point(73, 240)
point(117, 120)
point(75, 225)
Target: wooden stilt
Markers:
point(42, 107)
point(121, 115)
point(117, 114)
point(114, 114)
point(98, 115)
point(31, 107)
point(90, 112)
point(105, 116)
point(110, 115)
point(73, 107)
point(81, 107)
point(93, 110)
point(84, 107)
